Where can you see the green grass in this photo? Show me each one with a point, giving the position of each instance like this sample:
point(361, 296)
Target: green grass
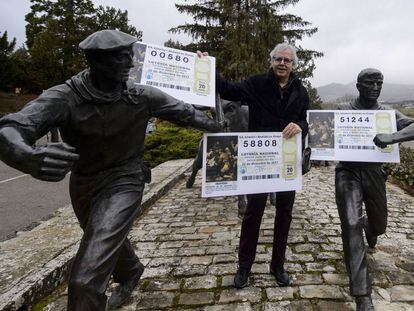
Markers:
point(170, 142)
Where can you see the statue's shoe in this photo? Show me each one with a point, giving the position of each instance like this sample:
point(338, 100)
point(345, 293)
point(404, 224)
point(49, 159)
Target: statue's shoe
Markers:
point(364, 303)
point(190, 181)
point(124, 290)
point(371, 238)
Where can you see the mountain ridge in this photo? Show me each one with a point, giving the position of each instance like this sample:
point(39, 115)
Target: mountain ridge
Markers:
point(391, 92)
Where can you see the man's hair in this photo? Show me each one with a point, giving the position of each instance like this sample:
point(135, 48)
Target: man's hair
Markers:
point(285, 46)
point(367, 72)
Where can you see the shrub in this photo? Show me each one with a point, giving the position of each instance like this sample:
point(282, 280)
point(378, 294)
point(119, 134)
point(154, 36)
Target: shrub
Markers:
point(403, 173)
point(170, 142)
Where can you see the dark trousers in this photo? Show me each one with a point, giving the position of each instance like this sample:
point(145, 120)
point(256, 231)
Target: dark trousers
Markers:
point(353, 186)
point(251, 226)
point(106, 205)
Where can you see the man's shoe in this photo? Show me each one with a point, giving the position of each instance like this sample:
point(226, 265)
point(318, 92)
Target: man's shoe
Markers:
point(364, 303)
point(124, 290)
point(371, 238)
point(282, 277)
point(241, 279)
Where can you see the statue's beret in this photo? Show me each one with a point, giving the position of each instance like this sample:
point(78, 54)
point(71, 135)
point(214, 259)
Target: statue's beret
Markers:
point(107, 40)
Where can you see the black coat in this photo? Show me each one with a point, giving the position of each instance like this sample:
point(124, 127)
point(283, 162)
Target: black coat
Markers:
point(268, 111)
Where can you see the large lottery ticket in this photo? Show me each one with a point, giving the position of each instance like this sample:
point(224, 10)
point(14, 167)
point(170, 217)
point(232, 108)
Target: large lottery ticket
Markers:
point(181, 74)
point(245, 163)
point(347, 135)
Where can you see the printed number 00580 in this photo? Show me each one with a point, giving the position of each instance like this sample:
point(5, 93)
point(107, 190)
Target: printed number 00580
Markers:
point(169, 56)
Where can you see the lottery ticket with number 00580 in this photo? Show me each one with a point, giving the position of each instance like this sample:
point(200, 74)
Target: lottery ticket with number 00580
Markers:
point(178, 73)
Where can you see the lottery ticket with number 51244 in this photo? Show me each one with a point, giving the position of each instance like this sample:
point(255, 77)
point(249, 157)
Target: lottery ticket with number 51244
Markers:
point(347, 135)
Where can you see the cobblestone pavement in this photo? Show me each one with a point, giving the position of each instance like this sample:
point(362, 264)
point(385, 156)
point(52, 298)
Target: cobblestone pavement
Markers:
point(189, 247)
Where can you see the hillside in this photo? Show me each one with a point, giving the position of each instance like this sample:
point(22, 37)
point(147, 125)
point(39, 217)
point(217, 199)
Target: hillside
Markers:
point(390, 92)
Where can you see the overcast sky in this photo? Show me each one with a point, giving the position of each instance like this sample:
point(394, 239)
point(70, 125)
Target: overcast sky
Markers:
point(353, 34)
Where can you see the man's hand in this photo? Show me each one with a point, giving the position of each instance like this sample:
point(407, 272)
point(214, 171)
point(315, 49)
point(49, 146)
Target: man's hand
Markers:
point(201, 54)
point(382, 140)
point(291, 130)
point(51, 162)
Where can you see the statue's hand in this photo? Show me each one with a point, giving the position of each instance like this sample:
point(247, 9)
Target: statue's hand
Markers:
point(223, 125)
point(216, 127)
point(51, 162)
point(382, 140)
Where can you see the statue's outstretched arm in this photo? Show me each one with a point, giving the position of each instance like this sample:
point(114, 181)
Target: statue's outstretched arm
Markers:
point(166, 107)
point(406, 134)
point(50, 162)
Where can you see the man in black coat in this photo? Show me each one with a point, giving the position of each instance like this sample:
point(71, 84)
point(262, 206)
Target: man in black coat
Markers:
point(277, 102)
point(102, 120)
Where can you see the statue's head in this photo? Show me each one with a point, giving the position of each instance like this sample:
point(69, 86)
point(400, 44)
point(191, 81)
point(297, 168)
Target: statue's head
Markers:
point(109, 54)
point(283, 60)
point(369, 84)
point(236, 115)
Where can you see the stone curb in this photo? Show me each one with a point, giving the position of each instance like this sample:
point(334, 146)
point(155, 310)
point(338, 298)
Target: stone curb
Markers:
point(34, 286)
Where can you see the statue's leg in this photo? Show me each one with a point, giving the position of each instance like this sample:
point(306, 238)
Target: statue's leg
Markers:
point(112, 211)
point(349, 197)
point(127, 263)
point(197, 165)
point(284, 204)
point(242, 205)
point(272, 197)
point(375, 200)
point(250, 228)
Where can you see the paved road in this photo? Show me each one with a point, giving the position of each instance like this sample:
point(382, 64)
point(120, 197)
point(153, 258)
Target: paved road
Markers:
point(24, 201)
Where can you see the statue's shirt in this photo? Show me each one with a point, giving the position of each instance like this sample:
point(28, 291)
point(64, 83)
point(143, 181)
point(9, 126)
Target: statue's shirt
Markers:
point(107, 130)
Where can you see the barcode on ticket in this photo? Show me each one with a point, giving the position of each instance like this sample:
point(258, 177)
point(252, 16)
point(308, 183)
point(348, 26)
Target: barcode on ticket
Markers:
point(171, 86)
point(356, 147)
point(256, 177)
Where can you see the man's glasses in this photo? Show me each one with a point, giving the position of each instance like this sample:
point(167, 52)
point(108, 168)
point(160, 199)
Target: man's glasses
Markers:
point(282, 59)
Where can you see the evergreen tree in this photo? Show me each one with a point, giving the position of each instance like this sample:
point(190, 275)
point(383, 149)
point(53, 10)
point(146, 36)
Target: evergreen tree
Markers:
point(241, 33)
point(19, 60)
point(208, 29)
point(6, 46)
point(54, 30)
point(111, 18)
point(6, 49)
point(315, 101)
point(174, 44)
point(46, 59)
